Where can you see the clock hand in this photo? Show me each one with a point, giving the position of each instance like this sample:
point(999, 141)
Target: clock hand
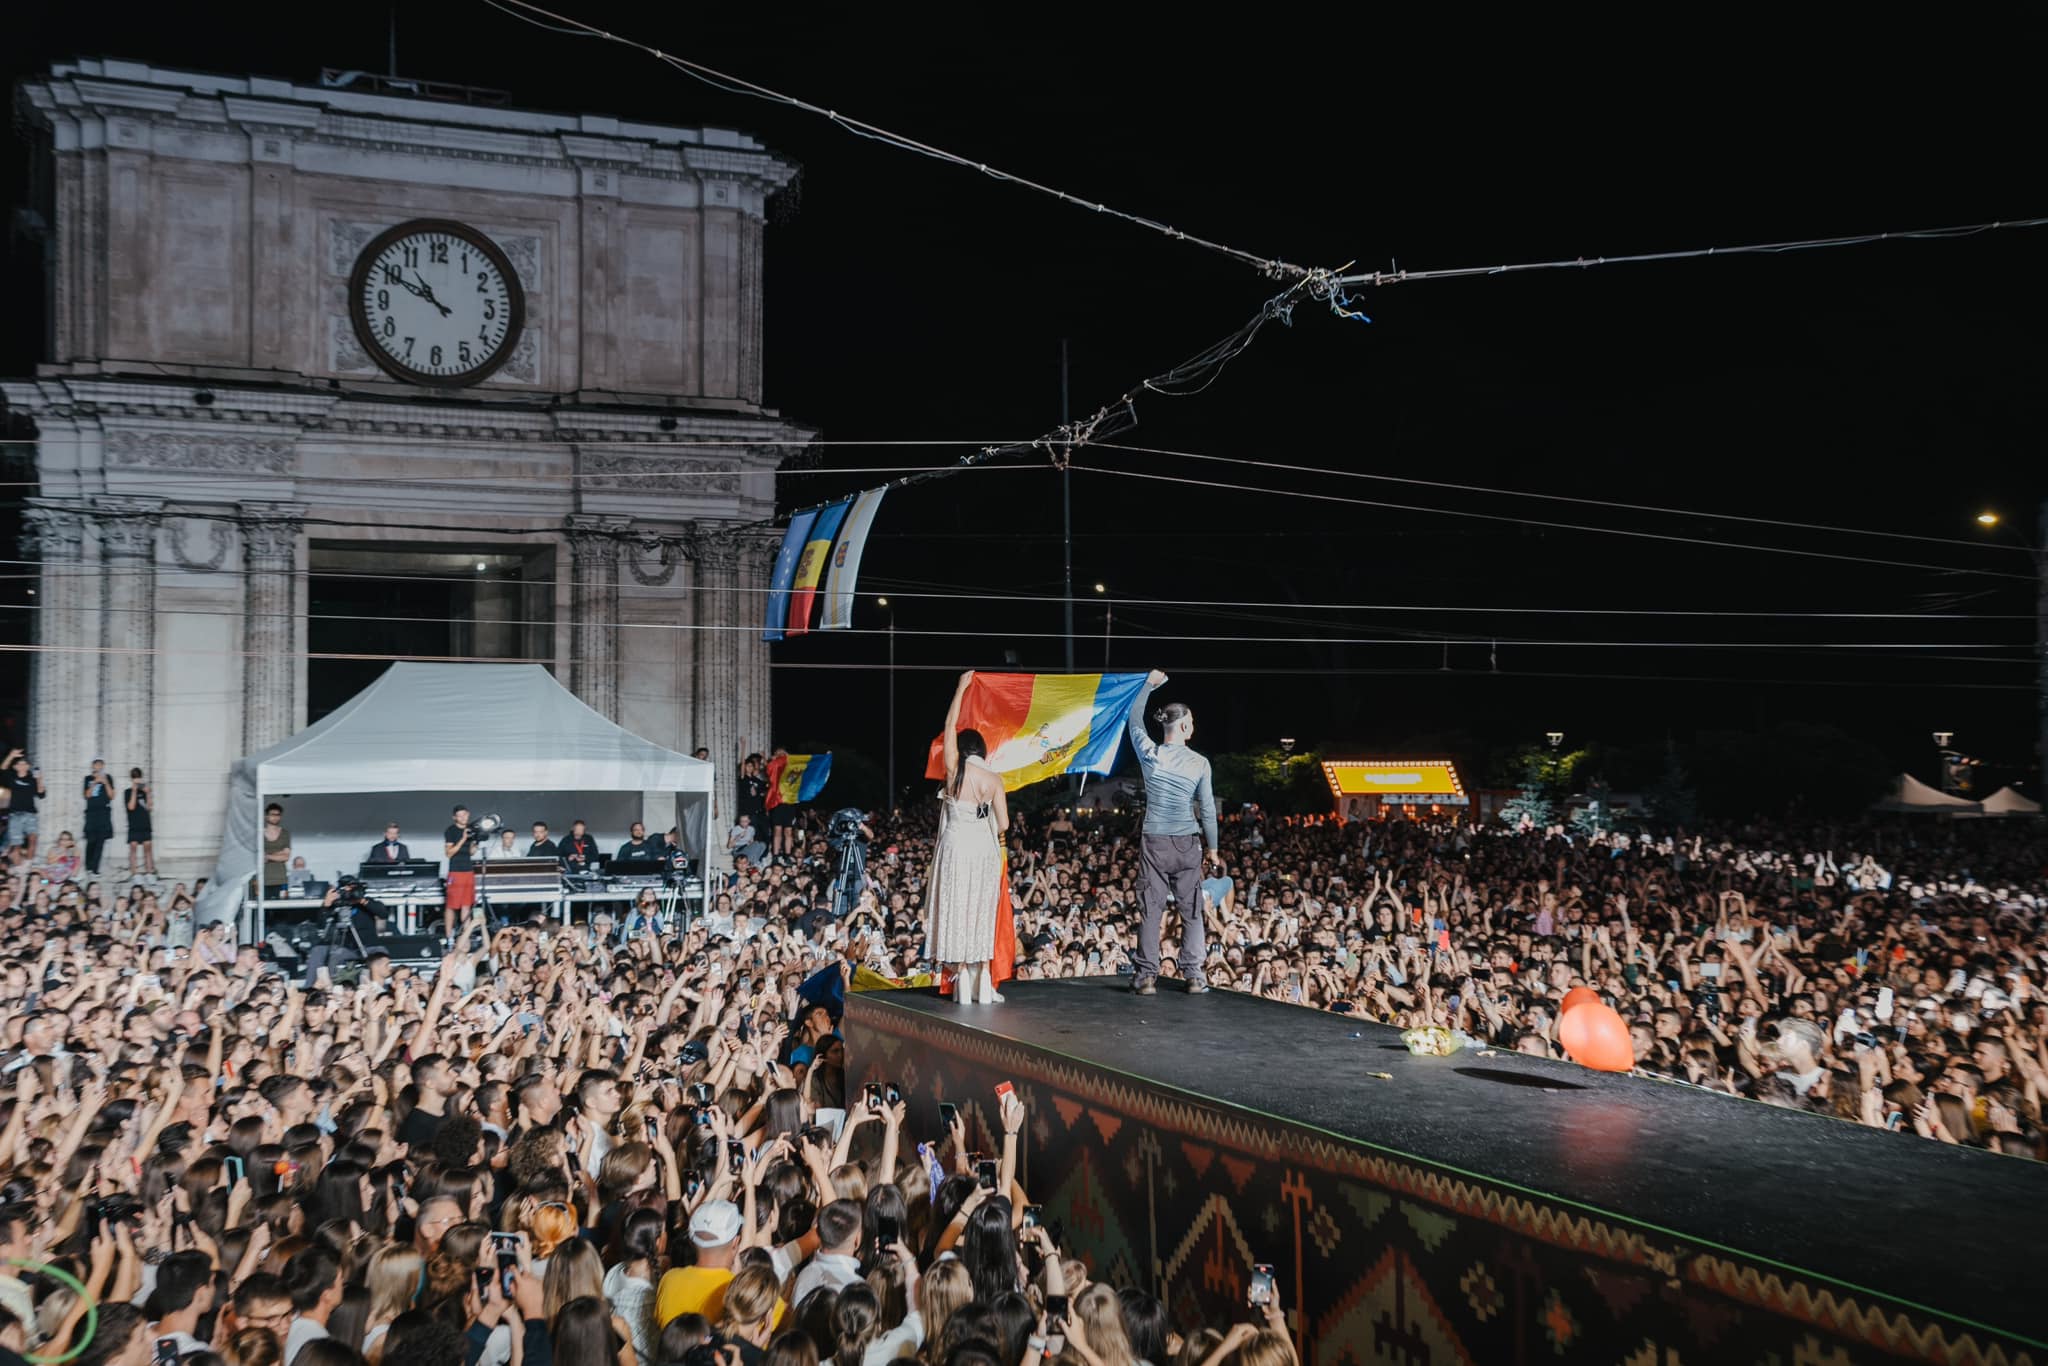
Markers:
point(426, 291)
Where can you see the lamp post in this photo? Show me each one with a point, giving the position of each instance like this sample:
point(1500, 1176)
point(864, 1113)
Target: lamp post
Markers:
point(1556, 737)
point(1108, 619)
point(1287, 745)
point(884, 603)
point(1946, 757)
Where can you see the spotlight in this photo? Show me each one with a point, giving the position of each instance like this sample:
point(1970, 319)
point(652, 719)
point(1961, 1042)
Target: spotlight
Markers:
point(668, 424)
point(1987, 519)
point(881, 602)
point(479, 566)
point(204, 398)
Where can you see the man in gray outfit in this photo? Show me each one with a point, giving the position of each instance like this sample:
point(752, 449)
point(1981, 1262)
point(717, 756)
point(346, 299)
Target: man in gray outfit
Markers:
point(1180, 822)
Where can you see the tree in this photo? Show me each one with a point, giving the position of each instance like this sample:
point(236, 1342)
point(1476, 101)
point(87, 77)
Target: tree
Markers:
point(1284, 784)
point(1671, 798)
point(1542, 779)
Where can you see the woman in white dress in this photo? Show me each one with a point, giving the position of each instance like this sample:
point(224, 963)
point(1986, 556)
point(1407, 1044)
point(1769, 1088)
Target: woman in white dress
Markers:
point(967, 864)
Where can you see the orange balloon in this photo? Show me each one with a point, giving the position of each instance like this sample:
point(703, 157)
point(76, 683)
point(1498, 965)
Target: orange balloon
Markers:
point(1597, 1037)
point(1577, 996)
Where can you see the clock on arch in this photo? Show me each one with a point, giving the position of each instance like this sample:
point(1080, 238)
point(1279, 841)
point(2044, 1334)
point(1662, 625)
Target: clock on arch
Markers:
point(436, 302)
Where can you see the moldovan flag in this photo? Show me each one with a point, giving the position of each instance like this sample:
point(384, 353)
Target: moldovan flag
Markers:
point(785, 571)
point(794, 778)
point(840, 582)
point(810, 567)
point(1040, 725)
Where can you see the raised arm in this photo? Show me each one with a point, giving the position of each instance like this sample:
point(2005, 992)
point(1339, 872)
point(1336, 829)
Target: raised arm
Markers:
point(1141, 739)
point(949, 740)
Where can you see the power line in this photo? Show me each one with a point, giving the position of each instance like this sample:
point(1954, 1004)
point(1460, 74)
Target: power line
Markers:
point(892, 588)
point(1562, 498)
point(1555, 526)
point(1398, 276)
point(1208, 670)
point(735, 85)
point(1178, 638)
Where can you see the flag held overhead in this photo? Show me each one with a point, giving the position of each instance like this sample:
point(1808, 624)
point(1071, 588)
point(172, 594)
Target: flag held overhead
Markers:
point(1041, 725)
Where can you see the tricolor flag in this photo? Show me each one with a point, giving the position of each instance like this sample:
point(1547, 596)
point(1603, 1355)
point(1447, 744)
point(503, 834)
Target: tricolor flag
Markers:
point(785, 571)
point(1040, 725)
point(840, 581)
point(810, 567)
point(794, 778)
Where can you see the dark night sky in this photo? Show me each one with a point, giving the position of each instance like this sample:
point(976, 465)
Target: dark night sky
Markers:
point(1895, 387)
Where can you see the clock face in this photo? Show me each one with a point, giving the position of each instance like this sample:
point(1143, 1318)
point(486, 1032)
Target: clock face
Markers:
point(436, 302)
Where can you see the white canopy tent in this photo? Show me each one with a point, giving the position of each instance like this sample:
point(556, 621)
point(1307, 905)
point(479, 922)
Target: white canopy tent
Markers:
point(473, 732)
point(2006, 802)
point(1910, 794)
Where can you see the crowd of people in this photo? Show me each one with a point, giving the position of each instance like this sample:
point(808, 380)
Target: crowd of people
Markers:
point(632, 1142)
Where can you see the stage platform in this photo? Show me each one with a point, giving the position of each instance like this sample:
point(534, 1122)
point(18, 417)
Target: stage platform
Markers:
point(1496, 1209)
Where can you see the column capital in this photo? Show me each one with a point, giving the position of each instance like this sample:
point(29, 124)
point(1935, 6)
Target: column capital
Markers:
point(54, 531)
point(270, 532)
point(128, 526)
point(717, 547)
point(594, 538)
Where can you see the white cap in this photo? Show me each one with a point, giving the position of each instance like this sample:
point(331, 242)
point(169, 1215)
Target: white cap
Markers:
point(715, 1224)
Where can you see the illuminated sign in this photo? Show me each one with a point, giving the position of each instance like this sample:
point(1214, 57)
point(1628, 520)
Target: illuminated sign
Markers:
point(1403, 781)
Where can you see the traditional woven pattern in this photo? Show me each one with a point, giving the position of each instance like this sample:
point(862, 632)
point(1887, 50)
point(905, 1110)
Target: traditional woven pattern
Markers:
point(1379, 1258)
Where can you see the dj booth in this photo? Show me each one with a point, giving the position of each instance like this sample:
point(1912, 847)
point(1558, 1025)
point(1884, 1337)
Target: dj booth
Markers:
point(411, 887)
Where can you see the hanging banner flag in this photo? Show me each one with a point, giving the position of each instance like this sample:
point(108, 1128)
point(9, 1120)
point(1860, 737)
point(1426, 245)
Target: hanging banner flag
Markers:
point(785, 571)
point(1040, 725)
point(810, 567)
point(794, 778)
point(840, 582)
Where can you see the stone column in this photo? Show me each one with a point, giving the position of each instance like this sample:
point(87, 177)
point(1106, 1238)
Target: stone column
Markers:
point(271, 638)
point(64, 673)
point(594, 612)
point(715, 680)
point(756, 722)
point(127, 662)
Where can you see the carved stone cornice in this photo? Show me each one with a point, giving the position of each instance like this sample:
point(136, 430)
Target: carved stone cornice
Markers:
point(199, 451)
point(666, 473)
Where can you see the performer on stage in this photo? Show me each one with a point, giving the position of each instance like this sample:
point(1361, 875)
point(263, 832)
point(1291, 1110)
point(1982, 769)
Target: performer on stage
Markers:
point(1180, 821)
point(967, 864)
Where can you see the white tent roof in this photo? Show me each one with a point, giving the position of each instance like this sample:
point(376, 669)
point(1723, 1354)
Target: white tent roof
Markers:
point(469, 728)
point(472, 728)
point(1910, 794)
point(2006, 802)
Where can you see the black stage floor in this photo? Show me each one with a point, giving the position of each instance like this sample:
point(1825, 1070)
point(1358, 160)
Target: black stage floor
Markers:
point(1932, 1226)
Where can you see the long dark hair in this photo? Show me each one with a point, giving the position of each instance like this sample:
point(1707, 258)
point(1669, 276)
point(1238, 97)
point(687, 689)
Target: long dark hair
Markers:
point(970, 744)
point(989, 1250)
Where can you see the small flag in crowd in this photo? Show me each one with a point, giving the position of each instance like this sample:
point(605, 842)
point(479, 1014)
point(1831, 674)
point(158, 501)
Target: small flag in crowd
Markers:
point(1040, 725)
point(794, 778)
point(839, 583)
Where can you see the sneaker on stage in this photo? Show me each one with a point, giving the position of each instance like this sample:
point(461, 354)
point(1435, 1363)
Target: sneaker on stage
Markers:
point(1145, 986)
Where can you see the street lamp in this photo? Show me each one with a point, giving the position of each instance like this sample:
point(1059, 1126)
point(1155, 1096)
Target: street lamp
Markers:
point(1987, 518)
point(1287, 744)
point(1942, 737)
point(1556, 737)
point(884, 603)
point(1108, 620)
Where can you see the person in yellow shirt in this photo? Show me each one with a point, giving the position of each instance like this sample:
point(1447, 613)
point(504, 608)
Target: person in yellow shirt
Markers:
point(700, 1289)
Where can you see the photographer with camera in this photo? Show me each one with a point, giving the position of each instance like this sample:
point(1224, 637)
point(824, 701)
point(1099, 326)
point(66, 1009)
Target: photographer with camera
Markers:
point(848, 835)
point(457, 844)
